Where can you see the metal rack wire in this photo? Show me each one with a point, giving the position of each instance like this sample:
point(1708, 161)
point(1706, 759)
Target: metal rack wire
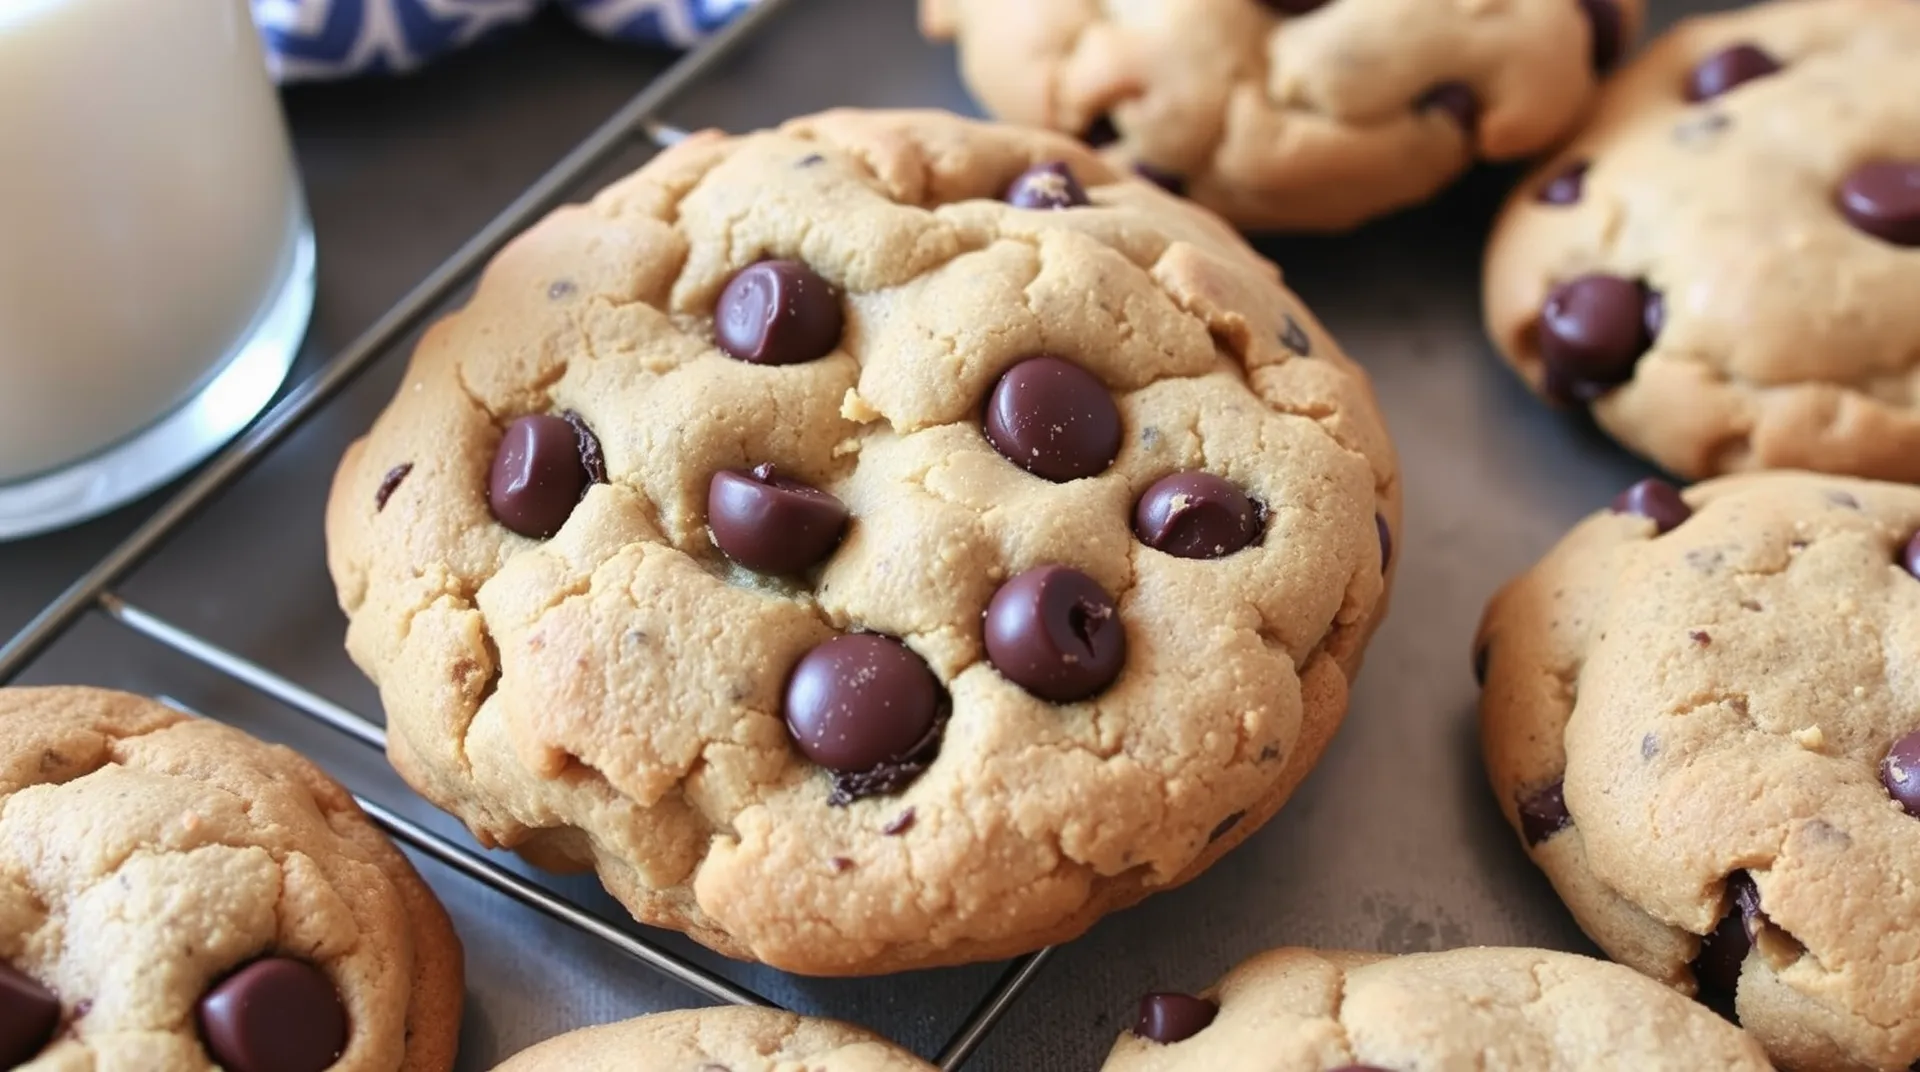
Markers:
point(94, 591)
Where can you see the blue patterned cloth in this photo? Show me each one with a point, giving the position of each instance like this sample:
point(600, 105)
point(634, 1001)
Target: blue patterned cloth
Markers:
point(322, 39)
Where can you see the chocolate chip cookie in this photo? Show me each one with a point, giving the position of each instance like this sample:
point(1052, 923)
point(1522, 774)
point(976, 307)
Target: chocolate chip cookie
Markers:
point(1493, 1010)
point(886, 541)
point(1292, 114)
point(176, 896)
point(1721, 264)
point(712, 1040)
point(1701, 718)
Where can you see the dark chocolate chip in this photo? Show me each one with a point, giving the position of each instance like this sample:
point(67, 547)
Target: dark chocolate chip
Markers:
point(1609, 32)
point(899, 824)
point(1883, 199)
point(274, 1015)
point(863, 704)
point(1386, 541)
point(1481, 655)
point(1700, 637)
point(389, 484)
point(1167, 1018)
point(1049, 185)
point(1295, 7)
point(1225, 826)
point(1543, 813)
point(1195, 515)
point(1726, 69)
point(537, 476)
point(771, 524)
point(1056, 633)
point(1717, 968)
point(840, 865)
point(1101, 132)
point(1054, 419)
point(1900, 772)
point(1592, 332)
point(1657, 501)
point(1457, 100)
point(591, 459)
point(29, 1014)
point(1169, 181)
point(1910, 555)
point(778, 313)
point(1566, 186)
point(1295, 338)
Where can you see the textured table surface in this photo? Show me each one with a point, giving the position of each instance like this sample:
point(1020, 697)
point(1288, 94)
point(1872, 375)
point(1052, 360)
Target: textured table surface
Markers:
point(1393, 844)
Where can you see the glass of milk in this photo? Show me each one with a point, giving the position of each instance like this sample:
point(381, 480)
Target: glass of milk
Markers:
point(156, 264)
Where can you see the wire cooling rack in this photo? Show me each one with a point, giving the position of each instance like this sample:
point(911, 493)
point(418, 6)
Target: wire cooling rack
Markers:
point(95, 591)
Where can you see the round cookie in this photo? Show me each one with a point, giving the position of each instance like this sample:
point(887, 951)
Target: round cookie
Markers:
point(878, 638)
point(1691, 715)
point(701, 1040)
point(176, 896)
point(1721, 263)
point(1493, 1010)
point(1310, 115)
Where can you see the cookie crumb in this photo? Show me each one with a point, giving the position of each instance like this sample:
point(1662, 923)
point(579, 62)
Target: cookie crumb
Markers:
point(849, 445)
point(1810, 738)
point(854, 407)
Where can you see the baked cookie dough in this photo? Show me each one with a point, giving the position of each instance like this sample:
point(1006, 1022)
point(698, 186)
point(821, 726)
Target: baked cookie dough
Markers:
point(1700, 714)
point(1723, 263)
point(1307, 115)
point(176, 896)
point(887, 541)
point(1492, 1010)
point(705, 1040)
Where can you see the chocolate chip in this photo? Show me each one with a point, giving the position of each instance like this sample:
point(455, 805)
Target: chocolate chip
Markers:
point(1910, 555)
point(1054, 419)
point(1657, 501)
point(560, 288)
point(1386, 541)
point(274, 1015)
point(1727, 69)
point(1883, 199)
point(594, 462)
point(1717, 968)
point(1566, 186)
point(1101, 132)
point(810, 160)
point(899, 824)
point(1481, 655)
point(1294, 7)
point(389, 484)
point(1049, 185)
point(29, 1013)
point(862, 704)
point(778, 313)
point(1609, 32)
point(1900, 772)
point(1543, 813)
point(771, 524)
point(1169, 181)
point(1455, 99)
point(1195, 515)
point(840, 865)
point(537, 476)
point(1295, 338)
point(1592, 332)
point(1167, 1018)
point(1055, 633)
point(1225, 826)
point(1700, 637)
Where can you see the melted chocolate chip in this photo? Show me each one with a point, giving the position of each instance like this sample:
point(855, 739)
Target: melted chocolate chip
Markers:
point(1056, 633)
point(1900, 773)
point(1910, 555)
point(778, 313)
point(274, 1015)
point(1195, 515)
point(1295, 338)
point(1609, 32)
point(867, 708)
point(1043, 186)
point(899, 824)
point(1543, 813)
point(594, 462)
point(537, 476)
point(29, 1014)
point(1700, 637)
point(771, 524)
point(1054, 419)
point(1717, 968)
point(1566, 186)
point(1167, 1018)
point(1657, 501)
point(1456, 99)
point(1225, 826)
point(1592, 332)
point(1883, 199)
point(1726, 69)
point(389, 484)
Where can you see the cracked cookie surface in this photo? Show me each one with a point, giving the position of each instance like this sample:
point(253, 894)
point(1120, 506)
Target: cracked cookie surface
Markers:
point(618, 696)
point(150, 861)
point(1721, 263)
point(1494, 1010)
point(1694, 714)
point(1293, 114)
point(713, 1040)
